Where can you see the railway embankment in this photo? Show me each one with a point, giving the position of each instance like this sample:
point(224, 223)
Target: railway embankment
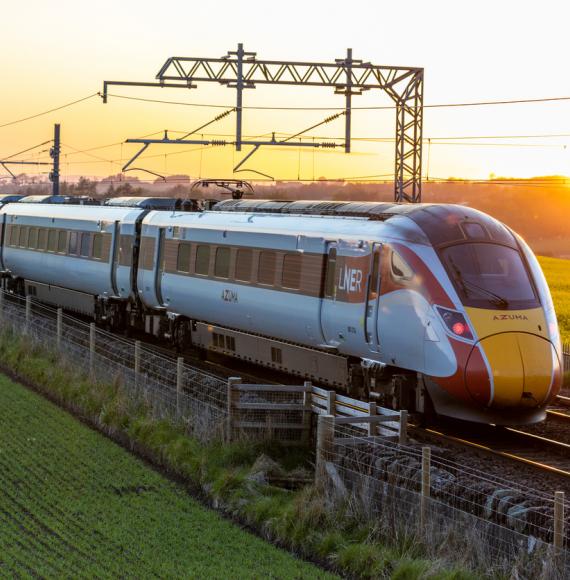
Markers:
point(235, 478)
point(367, 516)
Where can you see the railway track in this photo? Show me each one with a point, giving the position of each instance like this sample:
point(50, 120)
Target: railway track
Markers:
point(560, 410)
point(539, 452)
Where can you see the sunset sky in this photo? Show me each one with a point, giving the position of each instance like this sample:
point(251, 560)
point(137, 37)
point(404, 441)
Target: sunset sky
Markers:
point(58, 52)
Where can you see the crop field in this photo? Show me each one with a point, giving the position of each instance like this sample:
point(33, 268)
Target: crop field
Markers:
point(557, 273)
point(74, 504)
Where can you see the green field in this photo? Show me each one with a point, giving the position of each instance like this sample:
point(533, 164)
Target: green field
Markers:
point(557, 273)
point(74, 504)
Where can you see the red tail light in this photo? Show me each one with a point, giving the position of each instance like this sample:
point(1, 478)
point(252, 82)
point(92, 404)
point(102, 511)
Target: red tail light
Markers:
point(455, 322)
point(459, 328)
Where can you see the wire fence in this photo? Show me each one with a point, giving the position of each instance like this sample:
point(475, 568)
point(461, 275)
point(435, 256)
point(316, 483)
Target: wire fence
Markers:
point(454, 511)
point(492, 523)
point(566, 357)
point(275, 412)
point(170, 388)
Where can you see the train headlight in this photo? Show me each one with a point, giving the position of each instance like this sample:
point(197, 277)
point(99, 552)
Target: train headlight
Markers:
point(455, 323)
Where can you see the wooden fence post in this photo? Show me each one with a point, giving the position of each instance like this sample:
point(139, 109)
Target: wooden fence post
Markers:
point(325, 444)
point(403, 437)
point(372, 411)
point(331, 403)
point(91, 350)
point(426, 484)
point(231, 382)
point(58, 328)
point(1, 304)
point(307, 410)
point(558, 520)
point(28, 311)
point(137, 361)
point(179, 374)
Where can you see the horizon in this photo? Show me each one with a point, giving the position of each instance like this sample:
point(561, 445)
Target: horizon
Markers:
point(522, 139)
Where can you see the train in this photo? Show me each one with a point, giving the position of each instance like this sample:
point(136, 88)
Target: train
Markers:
point(439, 309)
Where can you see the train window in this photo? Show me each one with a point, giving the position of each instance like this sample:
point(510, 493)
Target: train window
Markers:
point(373, 288)
point(230, 343)
point(331, 273)
point(202, 260)
point(267, 267)
point(400, 269)
point(244, 262)
point(72, 243)
point(13, 235)
point(23, 243)
point(33, 238)
point(52, 241)
point(222, 264)
point(490, 276)
point(84, 249)
point(292, 271)
point(61, 241)
point(42, 239)
point(97, 250)
point(473, 230)
point(276, 355)
point(183, 260)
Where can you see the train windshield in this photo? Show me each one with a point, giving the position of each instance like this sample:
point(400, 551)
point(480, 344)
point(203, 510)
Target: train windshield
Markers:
point(490, 276)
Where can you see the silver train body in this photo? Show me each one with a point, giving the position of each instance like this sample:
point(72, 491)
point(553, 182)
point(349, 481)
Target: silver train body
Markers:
point(427, 307)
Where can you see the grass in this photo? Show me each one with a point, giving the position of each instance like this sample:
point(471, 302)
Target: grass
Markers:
point(557, 274)
point(75, 504)
point(157, 522)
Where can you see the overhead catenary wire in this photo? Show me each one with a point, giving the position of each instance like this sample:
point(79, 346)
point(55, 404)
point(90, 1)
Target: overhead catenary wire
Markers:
point(36, 115)
point(365, 108)
point(26, 150)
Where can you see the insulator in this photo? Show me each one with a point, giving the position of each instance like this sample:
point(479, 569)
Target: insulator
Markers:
point(333, 117)
point(328, 145)
point(218, 142)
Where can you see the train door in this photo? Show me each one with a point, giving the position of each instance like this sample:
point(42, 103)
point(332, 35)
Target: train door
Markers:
point(2, 239)
point(115, 257)
point(159, 267)
point(372, 295)
point(328, 301)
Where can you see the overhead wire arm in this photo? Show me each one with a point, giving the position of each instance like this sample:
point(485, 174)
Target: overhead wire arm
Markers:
point(8, 170)
point(327, 120)
point(237, 167)
point(28, 149)
point(146, 171)
point(132, 159)
point(214, 120)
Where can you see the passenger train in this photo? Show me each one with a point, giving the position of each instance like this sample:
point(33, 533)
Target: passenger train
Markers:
point(432, 308)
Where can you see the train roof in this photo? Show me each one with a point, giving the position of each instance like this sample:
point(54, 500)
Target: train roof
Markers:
point(71, 212)
point(59, 199)
point(9, 197)
point(442, 223)
point(143, 202)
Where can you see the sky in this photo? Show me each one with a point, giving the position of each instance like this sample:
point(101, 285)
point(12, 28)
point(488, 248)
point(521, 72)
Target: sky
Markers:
point(61, 51)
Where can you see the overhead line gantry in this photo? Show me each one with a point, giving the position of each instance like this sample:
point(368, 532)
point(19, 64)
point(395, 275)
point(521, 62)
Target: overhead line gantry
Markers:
point(242, 70)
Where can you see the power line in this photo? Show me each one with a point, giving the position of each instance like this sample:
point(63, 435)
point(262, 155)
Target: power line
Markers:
point(28, 149)
point(49, 111)
point(369, 108)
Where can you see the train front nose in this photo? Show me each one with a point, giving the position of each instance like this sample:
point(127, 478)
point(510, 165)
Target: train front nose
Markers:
point(516, 369)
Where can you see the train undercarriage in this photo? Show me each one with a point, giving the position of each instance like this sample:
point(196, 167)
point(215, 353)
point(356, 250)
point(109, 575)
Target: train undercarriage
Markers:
point(389, 386)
